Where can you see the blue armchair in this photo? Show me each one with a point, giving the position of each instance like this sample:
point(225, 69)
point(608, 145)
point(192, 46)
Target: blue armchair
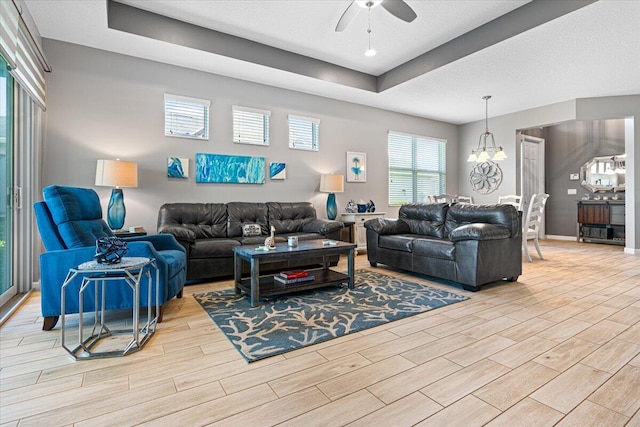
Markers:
point(70, 221)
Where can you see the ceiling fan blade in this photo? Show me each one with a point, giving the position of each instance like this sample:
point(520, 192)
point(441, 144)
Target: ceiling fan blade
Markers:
point(348, 16)
point(399, 9)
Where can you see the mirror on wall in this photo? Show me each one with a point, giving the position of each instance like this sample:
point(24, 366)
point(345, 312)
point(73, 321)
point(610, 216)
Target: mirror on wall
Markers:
point(604, 174)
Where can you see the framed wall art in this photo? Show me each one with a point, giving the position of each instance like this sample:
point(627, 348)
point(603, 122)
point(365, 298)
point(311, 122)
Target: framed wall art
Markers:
point(356, 167)
point(221, 168)
point(177, 167)
point(277, 170)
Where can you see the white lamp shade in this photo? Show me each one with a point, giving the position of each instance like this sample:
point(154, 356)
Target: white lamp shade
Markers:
point(116, 173)
point(331, 183)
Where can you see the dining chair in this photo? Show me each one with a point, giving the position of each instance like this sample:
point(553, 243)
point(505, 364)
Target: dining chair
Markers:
point(465, 199)
point(511, 199)
point(442, 198)
point(532, 223)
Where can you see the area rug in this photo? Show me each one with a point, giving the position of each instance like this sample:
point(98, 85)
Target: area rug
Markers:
point(293, 321)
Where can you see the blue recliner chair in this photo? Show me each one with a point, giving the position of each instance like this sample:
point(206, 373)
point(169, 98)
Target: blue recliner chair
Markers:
point(70, 221)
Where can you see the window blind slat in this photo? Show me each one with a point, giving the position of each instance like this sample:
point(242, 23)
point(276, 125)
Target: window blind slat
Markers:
point(417, 168)
point(304, 133)
point(250, 126)
point(186, 117)
point(9, 32)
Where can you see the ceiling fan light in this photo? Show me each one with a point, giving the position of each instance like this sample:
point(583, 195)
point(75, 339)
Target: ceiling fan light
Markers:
point(365, 4)
point(370, 52)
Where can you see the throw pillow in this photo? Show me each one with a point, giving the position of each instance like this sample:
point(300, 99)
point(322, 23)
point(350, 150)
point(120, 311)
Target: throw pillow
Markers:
point(250, 230)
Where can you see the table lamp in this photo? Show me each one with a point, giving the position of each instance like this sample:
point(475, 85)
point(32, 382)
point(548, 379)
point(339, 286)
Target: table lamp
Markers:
point(116, 173)
point(330, 183)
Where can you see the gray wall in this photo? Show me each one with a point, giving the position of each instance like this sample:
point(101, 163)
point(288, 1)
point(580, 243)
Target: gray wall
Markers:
point(106, 105)
point(569, 146)
point(506, 127)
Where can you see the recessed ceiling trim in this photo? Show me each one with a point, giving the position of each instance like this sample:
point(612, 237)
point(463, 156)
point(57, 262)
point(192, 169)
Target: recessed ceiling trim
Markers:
point(519, 20)
point(148, 24)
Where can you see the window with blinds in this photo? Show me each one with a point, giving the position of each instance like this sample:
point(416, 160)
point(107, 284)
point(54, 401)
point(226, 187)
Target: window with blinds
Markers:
point(304, 133)
point(250, 126)
point(417, 168)
point(186, 117)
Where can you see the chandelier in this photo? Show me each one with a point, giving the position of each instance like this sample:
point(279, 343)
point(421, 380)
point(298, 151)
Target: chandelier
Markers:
point(480, 154)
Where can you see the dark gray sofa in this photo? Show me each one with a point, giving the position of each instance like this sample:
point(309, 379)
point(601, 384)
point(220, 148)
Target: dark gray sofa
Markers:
point(209, 231)
point(469, 244)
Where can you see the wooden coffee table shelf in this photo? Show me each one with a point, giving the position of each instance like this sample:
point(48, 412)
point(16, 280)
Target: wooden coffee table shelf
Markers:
point(262, 286)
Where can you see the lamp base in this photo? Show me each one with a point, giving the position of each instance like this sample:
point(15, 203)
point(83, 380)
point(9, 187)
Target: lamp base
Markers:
point(332, 208)
point(116, 210)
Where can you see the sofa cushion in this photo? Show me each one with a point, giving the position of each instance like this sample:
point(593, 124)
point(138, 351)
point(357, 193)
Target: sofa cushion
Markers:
point(213, 248)
point(503, 215)
point(425, 219)
point(240, 213)
point(290, 217)
point(205, 220)
point(397, 242)
point(433, 248)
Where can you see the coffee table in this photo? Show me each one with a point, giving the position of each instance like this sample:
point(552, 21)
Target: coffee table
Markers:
point(261, 286)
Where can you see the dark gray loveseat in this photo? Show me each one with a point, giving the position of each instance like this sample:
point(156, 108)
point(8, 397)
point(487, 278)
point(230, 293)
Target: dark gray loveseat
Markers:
point(469, 244)
point(209, 231)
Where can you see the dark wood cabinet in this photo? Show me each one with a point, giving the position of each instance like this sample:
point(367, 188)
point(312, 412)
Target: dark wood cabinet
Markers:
point(601, 221)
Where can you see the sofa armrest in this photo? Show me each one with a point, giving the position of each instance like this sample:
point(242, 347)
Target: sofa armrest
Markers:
point(322, 226)
point(384, 226)
point(179, 232)
point(479, 231)
point(160, 242)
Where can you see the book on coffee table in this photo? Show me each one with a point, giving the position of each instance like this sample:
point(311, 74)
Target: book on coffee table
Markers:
point(307, 278)
point(293, 274)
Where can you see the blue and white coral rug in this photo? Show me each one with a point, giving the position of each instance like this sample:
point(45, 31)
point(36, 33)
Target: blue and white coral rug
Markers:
point(297, 320)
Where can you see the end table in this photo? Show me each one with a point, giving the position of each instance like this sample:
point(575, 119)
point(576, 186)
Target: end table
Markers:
point(130, 270)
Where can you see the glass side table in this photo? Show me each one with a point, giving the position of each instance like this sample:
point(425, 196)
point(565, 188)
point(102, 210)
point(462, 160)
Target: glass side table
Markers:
point(130, 271)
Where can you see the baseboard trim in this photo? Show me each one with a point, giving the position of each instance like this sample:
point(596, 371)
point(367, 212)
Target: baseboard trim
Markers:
point(632, 251)
point(554, 237)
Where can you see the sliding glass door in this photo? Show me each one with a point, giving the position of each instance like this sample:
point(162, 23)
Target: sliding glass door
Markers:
point(7, 289)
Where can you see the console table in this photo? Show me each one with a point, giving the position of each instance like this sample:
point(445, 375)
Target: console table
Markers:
point(359, 218)
point(601, 221)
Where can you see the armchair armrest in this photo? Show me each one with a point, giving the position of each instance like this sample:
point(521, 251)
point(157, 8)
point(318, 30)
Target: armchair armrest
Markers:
point(160, 242)
point(479, 231)
point(179, 232)
point(384, 226)
point(322, 226)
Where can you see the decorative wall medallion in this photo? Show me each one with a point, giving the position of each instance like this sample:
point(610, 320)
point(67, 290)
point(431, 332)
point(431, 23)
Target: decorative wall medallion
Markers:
point(485, 177)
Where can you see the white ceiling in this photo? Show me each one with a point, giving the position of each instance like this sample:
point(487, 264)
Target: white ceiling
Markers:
point(593, 51)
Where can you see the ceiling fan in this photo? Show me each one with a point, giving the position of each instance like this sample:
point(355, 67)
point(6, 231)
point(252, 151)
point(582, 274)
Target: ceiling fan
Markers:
point(397, 8)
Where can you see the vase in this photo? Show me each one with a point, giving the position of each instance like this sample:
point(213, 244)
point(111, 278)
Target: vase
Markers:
point(332, 207)
point(116, 210)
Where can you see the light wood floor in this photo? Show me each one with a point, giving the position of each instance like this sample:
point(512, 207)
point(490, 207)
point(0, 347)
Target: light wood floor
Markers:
point(559, 347)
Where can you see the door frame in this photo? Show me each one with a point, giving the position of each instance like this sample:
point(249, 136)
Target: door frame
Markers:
point(521, 139)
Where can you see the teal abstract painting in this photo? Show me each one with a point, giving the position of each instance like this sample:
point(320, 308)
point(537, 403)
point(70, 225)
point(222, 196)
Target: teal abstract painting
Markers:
point(221, 168)
point(277, 170)
point(177, 167)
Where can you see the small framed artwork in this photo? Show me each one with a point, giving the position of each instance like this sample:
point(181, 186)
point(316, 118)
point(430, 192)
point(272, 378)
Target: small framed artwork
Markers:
point(177, 167)
point(277, 170)
point(356, 167)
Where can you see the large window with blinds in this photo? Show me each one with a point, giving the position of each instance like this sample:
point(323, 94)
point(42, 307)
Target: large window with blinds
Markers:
point(186, 117)
point(417, 168)
point(304, 133)
point(250, 126)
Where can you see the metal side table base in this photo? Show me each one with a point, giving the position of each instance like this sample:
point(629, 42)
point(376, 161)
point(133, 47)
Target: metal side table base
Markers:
point(130, 271)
